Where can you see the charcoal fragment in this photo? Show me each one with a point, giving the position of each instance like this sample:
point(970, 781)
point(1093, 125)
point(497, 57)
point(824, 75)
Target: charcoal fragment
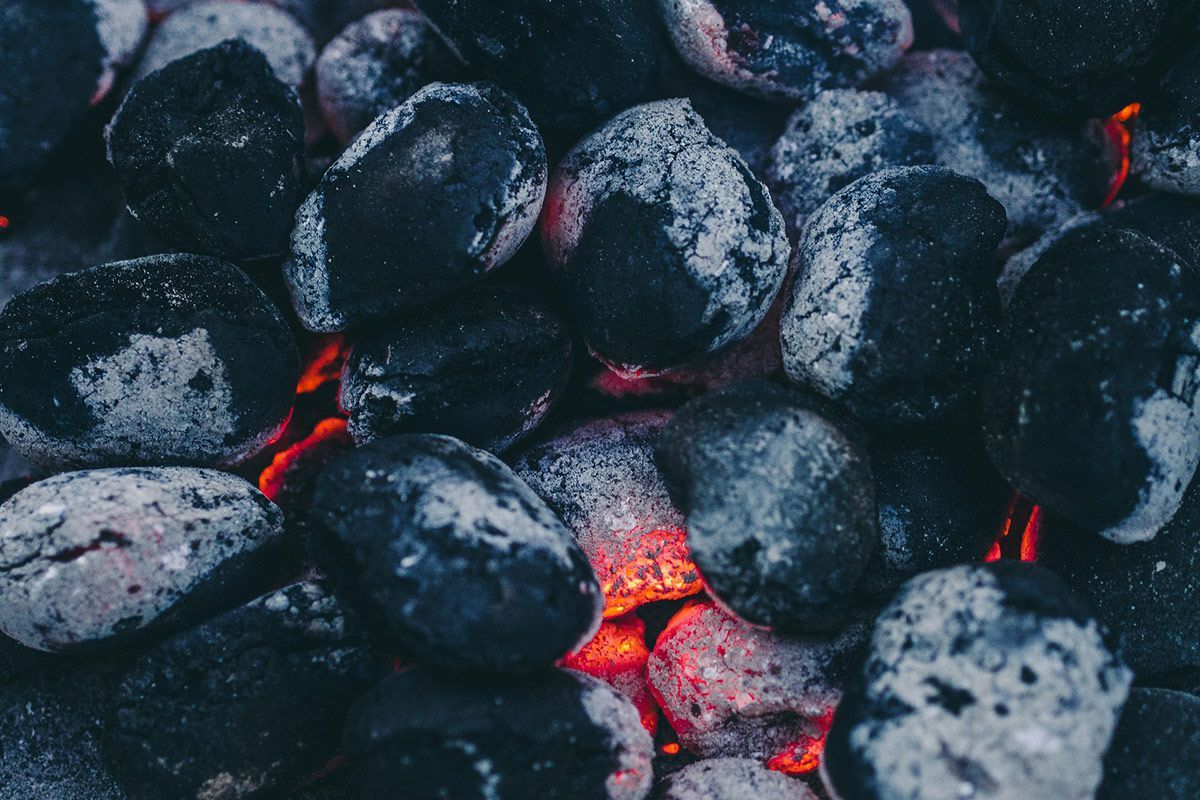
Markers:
point(730, 779)
point(1165, 149)
point(325, 19)
point(1156, 749)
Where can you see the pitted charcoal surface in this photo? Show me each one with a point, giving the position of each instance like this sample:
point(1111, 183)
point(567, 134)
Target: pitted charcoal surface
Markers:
point(453, 556)
point(244, 705)
point(166, 359)
point(780, 504)
point(485, 366)
point(789, 50)
point(432, 195)
point(1156, 749)
point(1165, 151)
point(600, 478)
point(208, 151)
point(556, 734)
point(838, 137)
point(730, 779)
point(894, 306)
point(991, 682)
point(665, 245)
point(1091, 406)
point(376, 64)
point(58, 58)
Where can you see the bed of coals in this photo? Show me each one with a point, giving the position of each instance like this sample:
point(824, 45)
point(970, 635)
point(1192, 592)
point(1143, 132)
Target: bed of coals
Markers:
point(599, 400)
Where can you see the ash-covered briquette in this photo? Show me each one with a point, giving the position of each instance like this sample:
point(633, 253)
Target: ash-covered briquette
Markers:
point(432, 196)
point(1076, 57)
point(172, 359)
point(780, 504)
point(485, 366)
point(665, 245)
point(788, 50)
point(58, 58)
point(209, 153)
point(894, 307)
point(1091, 406)
point(325, 19)
point(1165, 149)
point(452, 556)
point(552, 735)
point(835, 139)
point(247, 704)
point(991, 682)
point(376, 64)
point(1155, 752)
point(730, 779)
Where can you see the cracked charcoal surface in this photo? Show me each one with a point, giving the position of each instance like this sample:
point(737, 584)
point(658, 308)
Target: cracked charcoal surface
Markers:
point(730, 779)
point(1091, 406)
point(166, 359)
point(376, 64)
point(243, 705)
point(555, 735)
point(780, 504)
point(1165, 150)
point(992, 682)
point(485, 366)
point(431, 197)
point(893, 310)
point(666, 247)
point(453, 557)
point(1156, 749)
point(789, 50)
point(209, 153)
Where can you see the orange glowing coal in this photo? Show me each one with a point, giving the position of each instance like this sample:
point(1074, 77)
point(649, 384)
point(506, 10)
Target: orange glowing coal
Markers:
point(804, 755)
point(617, 655)
point(1117, 130)
point(658, 567)
point(328, 432)
point(324, 364)
point(1018, 538)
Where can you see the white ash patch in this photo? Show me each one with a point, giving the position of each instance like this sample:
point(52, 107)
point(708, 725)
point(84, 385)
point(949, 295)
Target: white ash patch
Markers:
point(732, 779)
point(306, 271)
point(614, 713)
point(121, 25)
point(1166, 160)
point(1019, 264)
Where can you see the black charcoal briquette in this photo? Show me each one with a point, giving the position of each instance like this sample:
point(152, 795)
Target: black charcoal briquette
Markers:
point(1155, 752)
point(730, 779)
point(1165, 149)
point(324, 19)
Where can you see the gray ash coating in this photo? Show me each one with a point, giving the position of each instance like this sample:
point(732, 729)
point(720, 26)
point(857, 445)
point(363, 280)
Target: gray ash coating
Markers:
point(553, 735)
point(992, 682)
point(835, 139)
point(666, 247)
point(209, 153)
point(780, 504)
point(325, 19)
point(1155, 752)
point(377, 63)
point(730, 779)
point(789, 50)
point(894, 307)
point(431, 197)
point(94, 558)
point(485, 366)
point(1165, 150)
point(172, 359)
point(1092, 405)
point(453, 557)
point(243, 705)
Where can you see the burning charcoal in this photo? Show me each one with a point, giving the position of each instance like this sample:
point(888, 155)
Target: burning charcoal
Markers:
point(894, 305)
point(601, 480)
point(208, 151)
point(244, 705)
point(981, 681)
point(1091, 405)
point(617, 655)
point(486, 366)
point(789, 50)
point(292, 475)
point(666, 247)
point(780, 505)
point(58, 59)
point(376, 64)
point(742, 122)
point(837, 138)
point(18, 661)
point(1165, 151)
point(166, 359)
point(433, 195)
point(1156, 749)
point(453, 556)
point(554, 735)
point(731, 779)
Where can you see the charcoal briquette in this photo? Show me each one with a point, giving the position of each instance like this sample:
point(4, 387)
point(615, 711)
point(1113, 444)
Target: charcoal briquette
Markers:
point(325, 19)
point(1165, 149)
point(730, 779)
point(1156, 749)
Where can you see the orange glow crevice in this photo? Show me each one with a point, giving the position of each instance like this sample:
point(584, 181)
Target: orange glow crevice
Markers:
point(1117, 130)
point(324, 364)
point(271, 480)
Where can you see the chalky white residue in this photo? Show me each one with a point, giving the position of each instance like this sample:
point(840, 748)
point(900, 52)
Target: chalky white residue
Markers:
point(1167, 160)
point(121, 25)
point(611, 711)
point(733, 779)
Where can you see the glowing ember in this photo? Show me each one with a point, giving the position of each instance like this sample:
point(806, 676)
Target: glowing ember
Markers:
point(324, 364)
point(671, 748)
point(1029, 537)
point(1117, 130)
point(804, 754)
point(4, 222)
point(659, 567)
point(1024, 517)
point(327, 438)
point(617, 655)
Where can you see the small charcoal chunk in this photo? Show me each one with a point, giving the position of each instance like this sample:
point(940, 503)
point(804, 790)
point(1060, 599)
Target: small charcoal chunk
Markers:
point(486, 366)
point(209, 153)
point(553, 735)
point(666, 246)
point(731, 779)
point(452, 556)
point(1165, 150)
point(789, 50)
point(432, 195)
point(1155, 752)
point(1091, 405)
point(986, 681)
point(171, 359)
point(780, 504)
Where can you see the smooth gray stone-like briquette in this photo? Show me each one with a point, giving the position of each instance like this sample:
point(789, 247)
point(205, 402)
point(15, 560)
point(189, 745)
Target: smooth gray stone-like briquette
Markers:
point(666, 247)
point(1165, 149)
point(730, 779)
point(432, 196)
point(172, 359)
point(99, 555)
point(894, 306)
point(991, 682)
point(1155, 752)
point(448, 553)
